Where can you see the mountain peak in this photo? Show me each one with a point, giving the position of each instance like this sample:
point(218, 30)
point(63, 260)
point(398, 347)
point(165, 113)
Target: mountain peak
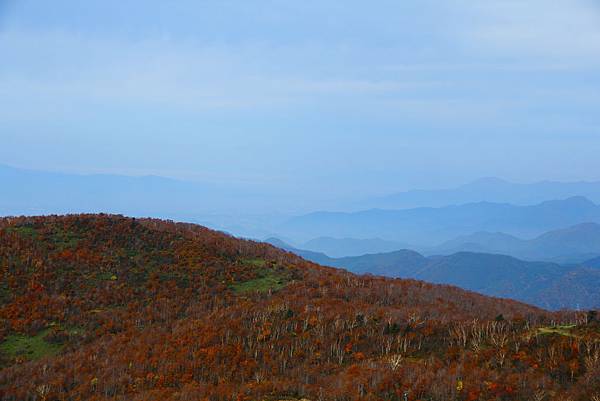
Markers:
point(278, 243)
point(573, 201)
point(580, 199)
point(587, 226)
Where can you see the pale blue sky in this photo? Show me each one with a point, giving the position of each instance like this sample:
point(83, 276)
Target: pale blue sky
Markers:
point(307, 98)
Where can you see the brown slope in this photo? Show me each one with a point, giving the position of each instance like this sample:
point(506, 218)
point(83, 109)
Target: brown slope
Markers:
point(148, 309)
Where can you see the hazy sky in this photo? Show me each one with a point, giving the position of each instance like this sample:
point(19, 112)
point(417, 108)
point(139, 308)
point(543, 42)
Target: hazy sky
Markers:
point(304, 97)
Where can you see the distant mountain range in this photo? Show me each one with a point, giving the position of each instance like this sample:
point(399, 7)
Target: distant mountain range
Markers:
point(545, 284)
point(430, 226)
point(40, 192)
point(485, 189)
point(574, 244)
point(497, 226)
point(341, 247)
point(30, 192)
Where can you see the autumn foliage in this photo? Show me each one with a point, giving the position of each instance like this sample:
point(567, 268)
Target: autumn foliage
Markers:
point(154, 310)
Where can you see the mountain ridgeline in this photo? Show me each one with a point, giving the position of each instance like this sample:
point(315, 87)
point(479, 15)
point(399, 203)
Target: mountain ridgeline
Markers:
point(490, 189)
point(575, 244)
point(340, 247)
point(571, 245)
point(430, 226)
point(101, 307)
point(545, 284)
point(426, 218)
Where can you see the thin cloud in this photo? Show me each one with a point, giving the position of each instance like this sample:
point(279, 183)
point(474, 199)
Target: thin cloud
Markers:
point(536, 31)
point(177, 74)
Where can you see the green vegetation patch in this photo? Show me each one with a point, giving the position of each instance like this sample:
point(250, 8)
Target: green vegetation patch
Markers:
point(47, 342)
point(268, 279)
point(65, 239)
point(255, 262)
point(62, 239)
point(24, 231)
point(560, 330)
point(106, 276)
point(30, 348)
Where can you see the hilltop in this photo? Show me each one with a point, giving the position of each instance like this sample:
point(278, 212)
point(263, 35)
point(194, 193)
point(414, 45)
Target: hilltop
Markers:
point(106, 307)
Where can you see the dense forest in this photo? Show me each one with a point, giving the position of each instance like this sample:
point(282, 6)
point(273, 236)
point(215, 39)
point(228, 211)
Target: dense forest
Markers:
point(96, 307)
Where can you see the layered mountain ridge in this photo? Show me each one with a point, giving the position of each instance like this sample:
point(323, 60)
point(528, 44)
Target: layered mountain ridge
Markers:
point(546, 284)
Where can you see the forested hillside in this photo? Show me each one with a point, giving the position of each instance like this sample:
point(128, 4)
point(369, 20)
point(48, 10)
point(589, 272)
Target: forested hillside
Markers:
point(101, 307)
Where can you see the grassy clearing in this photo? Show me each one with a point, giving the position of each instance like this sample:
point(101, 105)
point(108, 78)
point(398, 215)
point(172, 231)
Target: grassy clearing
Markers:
point(267, 280)
point(560, 330)
point(30, 348)
point(255, 262)
point(35, 347)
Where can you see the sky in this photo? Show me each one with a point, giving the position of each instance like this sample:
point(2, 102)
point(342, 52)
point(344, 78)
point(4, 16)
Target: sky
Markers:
point(310, 99)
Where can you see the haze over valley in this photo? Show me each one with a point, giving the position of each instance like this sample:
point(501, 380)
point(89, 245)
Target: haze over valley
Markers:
point(488, 246)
